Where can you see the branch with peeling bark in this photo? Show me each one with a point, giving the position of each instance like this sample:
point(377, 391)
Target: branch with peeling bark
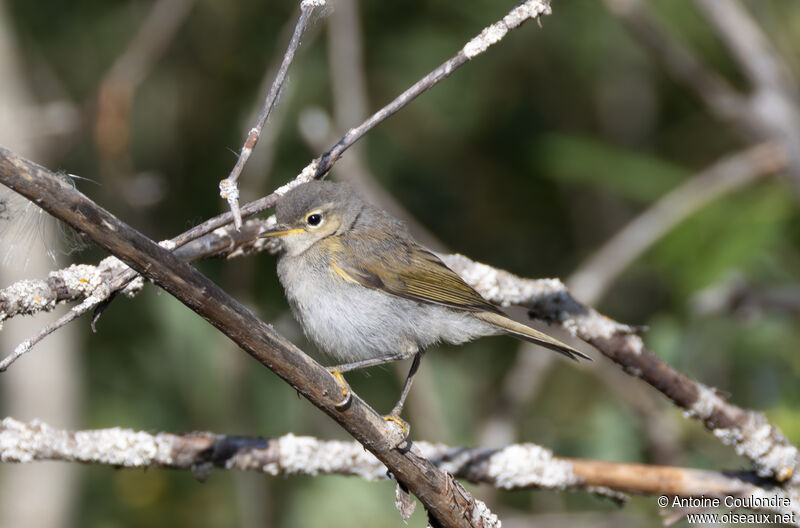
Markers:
point(515, 467)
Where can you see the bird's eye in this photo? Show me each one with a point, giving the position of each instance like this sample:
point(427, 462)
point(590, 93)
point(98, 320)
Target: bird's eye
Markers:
point(314, 219)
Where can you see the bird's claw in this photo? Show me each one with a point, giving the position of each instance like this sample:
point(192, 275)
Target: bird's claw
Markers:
point(404, 427)
point(347, 394)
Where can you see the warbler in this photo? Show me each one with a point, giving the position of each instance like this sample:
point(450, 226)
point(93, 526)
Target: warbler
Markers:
point(366, 293)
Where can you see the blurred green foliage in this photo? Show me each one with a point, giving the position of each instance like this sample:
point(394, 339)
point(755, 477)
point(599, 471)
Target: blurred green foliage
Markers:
point(528, 158)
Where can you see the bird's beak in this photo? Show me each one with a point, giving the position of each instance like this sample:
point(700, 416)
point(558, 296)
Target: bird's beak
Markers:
point(280, 230)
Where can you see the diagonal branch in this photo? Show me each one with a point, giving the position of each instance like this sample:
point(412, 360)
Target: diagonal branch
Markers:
point(773, 102)
point(447, 503)
point(320, 166)
point(747, 431)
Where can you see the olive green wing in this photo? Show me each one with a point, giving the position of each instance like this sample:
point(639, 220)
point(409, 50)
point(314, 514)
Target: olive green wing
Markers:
point(410, 271)
point(405, 269)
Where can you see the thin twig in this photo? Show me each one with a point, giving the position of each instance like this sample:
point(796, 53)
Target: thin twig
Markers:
point(320, 166)
point(93, 284)
point(25, 346)
point(491, 35)
point(228, 188)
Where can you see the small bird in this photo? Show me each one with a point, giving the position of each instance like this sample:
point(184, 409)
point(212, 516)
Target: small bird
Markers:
point(366, 293)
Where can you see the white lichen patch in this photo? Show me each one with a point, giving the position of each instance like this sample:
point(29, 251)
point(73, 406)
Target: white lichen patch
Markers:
point(483, 516)
point(122, 447)
point(707, 401)
point(16, 441)
point(306, 175)
point(755, 441)
point(310, 456)
point(169, 245)
point(500, 286)
point(529, 465)
point(487, 37)
point(228, 189)
point(81, 278)
point(133, 287)
point(21, 442)
point(595, 325)
point(495, 33)
point(27, 297)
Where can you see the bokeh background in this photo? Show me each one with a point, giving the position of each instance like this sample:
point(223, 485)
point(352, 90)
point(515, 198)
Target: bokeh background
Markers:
point(529, 158)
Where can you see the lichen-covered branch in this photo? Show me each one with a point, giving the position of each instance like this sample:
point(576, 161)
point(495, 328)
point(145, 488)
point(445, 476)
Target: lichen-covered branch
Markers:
point(748, 432)
point(515, 467)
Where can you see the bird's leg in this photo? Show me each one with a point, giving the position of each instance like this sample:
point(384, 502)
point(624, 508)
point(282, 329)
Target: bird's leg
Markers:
point(337, 371)
point(371, 362)
point(394, 416)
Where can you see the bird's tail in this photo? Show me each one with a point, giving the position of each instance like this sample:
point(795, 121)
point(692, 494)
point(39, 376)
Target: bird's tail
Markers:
point(527, 333)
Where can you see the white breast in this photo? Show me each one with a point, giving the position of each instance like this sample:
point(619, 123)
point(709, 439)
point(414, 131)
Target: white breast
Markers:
point(351, 322)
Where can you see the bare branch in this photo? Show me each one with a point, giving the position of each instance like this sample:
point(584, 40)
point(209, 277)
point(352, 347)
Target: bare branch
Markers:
point(748, 45)
point(769, 114)
point(320, 166)
point(515, 467)
point(228, 187)
point(726, 175)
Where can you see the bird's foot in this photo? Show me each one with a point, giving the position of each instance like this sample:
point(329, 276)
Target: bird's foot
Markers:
point(405, 429)
point(347, 394)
